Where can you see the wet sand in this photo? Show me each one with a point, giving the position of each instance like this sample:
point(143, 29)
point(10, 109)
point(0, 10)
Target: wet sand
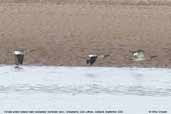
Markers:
point(64, 34)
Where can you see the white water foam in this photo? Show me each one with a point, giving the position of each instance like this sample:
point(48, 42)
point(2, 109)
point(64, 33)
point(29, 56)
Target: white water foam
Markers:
point(133, 90)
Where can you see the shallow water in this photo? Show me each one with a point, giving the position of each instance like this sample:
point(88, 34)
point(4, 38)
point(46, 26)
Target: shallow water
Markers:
point(85, 80)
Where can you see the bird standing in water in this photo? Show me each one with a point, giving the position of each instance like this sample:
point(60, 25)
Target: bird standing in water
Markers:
point(19, 57)
point(138, 55)
point(91, 59)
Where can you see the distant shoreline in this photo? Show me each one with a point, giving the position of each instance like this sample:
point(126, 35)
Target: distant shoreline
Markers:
point(96, 2)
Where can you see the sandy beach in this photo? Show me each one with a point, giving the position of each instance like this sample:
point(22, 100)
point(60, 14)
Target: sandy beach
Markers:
point(65, 33)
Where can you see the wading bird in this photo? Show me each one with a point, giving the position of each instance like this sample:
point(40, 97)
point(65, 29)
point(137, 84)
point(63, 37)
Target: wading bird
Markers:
point(91, 59)
point(19, 56)
point(138, 55)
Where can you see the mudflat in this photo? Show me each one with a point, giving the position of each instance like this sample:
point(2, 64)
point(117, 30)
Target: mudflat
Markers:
point(64, 34)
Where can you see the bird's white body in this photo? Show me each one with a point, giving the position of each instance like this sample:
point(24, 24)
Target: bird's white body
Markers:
point(19, 52)
point(92, 55)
